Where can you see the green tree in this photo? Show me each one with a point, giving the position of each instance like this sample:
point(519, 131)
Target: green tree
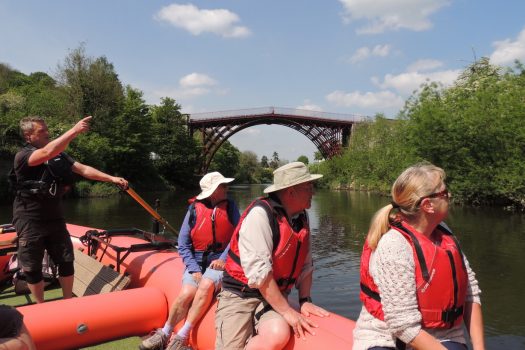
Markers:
point(274, 163)
point(176, 153)
point(93, 88)
point(248, 167)
point(377, 153)
point(226, 160)
point(303, 159)
point(131, 139)
point(475, 131)
point(22, 95)
point(264, 162)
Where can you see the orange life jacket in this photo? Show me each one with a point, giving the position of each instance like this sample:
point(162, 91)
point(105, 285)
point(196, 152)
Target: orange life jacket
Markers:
point(441, 278)
point(290, 249)
point(211, 227)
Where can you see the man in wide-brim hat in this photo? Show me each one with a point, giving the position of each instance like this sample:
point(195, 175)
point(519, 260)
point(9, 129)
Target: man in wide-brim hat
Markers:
point(269, 254)
point(203, 244)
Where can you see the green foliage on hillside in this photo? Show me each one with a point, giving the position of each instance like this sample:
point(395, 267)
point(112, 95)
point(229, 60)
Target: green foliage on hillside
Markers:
point(149, 145)
point(474, 129)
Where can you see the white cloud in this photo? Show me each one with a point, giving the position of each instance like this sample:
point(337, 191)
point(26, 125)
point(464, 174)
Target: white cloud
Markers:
point(196, 79)
point(507, 51)
point(309, 106)
point(191, 86)
point(395, 89)
point(424, 65)
point(374, 100)
point(364, 52)
point(197, 21)
point(383, 15)
point(407, 83)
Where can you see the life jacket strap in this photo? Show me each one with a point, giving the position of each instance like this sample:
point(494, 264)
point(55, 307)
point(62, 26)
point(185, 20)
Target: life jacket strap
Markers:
point(285, 281)
point(238, 288)
point(451, 315)
point(370, 292)
point(264, 310)
point(215, 247)
point(234, 257)
point(447, 316)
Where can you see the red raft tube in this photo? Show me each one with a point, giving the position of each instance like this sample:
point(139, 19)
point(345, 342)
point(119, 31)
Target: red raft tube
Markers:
point(155, 270)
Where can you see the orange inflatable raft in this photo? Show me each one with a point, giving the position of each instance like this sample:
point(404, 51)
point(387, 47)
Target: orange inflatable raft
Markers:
point(155, 271)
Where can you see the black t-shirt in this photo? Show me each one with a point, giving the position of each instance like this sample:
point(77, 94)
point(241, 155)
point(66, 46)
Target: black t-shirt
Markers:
point(36, 207)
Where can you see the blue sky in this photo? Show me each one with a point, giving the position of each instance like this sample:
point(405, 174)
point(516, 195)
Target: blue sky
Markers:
point(344, 56)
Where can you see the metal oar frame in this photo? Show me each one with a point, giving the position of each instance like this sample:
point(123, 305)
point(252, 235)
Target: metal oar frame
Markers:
point(95, 238)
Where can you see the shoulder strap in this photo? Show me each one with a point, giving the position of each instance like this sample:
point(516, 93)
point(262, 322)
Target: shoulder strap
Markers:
point(229, 209)
point(193, 215)
point(419, 250)
point(447, 231)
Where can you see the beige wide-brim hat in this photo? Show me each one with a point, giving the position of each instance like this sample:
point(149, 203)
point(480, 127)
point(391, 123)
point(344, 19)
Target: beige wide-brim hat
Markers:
point(290, 175)
point(210, 182)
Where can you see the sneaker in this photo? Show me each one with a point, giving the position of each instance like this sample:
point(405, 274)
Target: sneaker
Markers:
point(157, 340)
point(178, 343)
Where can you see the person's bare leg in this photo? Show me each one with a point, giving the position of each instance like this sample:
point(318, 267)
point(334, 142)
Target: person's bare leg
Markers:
point(67, 285)
point(179, 308)
point(201, 301)
point(272, 334)
point(37, 290)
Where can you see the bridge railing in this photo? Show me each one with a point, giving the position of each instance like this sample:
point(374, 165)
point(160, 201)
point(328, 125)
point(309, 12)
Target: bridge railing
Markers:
point(276, 111)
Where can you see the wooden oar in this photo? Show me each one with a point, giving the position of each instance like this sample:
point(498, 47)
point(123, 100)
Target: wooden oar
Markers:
point(150, 210)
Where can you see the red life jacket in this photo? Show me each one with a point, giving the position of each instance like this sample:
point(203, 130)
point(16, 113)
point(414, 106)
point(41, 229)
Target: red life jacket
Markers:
point(441, 286)
point(290, 249)
point(212, 229)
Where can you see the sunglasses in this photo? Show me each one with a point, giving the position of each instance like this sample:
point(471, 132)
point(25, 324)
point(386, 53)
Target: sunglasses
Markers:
point(441, 194)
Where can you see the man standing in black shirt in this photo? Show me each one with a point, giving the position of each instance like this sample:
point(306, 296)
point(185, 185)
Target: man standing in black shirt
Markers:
point(42, 173)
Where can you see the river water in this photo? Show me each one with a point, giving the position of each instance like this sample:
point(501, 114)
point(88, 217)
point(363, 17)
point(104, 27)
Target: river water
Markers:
point(492, 239)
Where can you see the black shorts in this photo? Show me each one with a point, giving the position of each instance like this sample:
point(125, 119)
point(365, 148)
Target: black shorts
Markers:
point(10, 322)
point(36, 236)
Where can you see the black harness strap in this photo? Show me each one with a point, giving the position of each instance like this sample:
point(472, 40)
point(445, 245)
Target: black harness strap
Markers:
point(419, 251)
point(234, 257)
point(264, 310)
point(370, 292)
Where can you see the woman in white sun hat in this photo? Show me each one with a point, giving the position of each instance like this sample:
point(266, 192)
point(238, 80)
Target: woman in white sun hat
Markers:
point(203, 244)
point(270, 253)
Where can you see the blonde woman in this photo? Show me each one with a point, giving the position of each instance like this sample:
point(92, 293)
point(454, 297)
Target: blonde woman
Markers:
point(417, 287)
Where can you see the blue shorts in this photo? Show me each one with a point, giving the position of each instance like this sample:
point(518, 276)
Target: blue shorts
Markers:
point(211, 274)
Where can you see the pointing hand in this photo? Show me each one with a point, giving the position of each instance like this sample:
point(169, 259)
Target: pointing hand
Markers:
point(82, 125)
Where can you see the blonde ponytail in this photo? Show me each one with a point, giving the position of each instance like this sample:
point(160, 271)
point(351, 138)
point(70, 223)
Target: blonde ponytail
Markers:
point(414, 183)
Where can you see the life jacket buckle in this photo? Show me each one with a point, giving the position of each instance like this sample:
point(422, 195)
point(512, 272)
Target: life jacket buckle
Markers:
point(451, 315)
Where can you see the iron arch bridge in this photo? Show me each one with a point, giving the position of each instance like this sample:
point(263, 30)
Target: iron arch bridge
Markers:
point(329, 132)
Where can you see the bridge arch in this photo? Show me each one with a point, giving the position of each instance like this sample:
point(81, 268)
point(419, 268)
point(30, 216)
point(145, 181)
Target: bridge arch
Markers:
point(329, 132)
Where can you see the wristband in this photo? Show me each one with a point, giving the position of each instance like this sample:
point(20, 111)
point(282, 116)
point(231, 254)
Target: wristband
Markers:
point(305, 300)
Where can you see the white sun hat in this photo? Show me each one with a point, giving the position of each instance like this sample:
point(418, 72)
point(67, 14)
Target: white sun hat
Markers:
point(290, 175)
point(210, 182)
